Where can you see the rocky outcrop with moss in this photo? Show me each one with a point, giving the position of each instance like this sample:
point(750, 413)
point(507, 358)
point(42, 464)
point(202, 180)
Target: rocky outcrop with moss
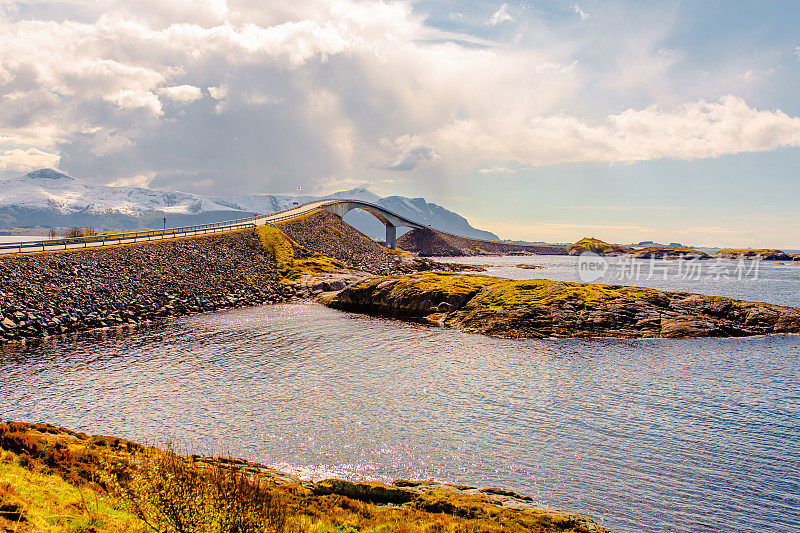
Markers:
point(590, 244)
point(545, 308)
point(54, 293)
point(668, 252)
point(429, 242)
point(764, 254)
point(54, 479)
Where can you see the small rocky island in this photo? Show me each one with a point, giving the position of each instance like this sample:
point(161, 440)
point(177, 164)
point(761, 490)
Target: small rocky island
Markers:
point(544, 308)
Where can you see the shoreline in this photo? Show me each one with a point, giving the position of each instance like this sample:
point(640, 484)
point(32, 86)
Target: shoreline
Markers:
point(94, 463)
point(56, 293)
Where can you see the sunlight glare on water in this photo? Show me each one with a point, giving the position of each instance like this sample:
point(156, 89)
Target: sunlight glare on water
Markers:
point(643, 435)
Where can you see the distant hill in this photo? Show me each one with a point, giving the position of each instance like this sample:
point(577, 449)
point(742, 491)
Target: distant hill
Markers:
point(433, 243)
point(49, 198)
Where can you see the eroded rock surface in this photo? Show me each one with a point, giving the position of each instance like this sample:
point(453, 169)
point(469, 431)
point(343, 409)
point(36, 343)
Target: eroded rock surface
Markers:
point(544, 308)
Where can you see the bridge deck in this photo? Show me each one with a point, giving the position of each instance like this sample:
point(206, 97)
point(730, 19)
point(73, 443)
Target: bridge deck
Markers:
point(337, 206)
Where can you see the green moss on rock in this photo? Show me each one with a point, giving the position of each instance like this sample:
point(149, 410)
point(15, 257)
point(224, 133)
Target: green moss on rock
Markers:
point(659, 252)
point(291, 267)
point(591, 244)
point(546, 308)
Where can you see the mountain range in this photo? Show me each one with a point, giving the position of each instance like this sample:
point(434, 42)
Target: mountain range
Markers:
point(50, 198)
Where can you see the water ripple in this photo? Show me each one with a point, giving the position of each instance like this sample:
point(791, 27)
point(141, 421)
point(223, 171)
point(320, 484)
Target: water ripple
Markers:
point(645, 435)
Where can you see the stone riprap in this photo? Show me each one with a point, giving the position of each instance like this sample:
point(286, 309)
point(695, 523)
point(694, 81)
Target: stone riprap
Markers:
point(328, 234)
point(60, 292)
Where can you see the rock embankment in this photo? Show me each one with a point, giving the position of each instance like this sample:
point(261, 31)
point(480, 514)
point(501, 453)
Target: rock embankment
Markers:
point(60, 292)
point(428, 242)
point(544, 308)
point(327, 234)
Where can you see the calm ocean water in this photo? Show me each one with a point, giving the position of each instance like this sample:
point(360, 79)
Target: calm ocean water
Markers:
point(7, 239)
point(643, 435)
point(763, 281)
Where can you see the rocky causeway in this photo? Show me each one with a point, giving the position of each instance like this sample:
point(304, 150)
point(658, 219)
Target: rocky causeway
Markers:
point(320, 257)
point(56, 293)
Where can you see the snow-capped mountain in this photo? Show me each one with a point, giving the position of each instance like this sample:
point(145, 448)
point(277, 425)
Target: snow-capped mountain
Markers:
point(49, 198)
point(49, 189)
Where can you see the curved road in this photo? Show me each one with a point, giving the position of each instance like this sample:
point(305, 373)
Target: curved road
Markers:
point(338, 206)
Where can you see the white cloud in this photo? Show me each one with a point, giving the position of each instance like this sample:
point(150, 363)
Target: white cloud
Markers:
point(407, 155)
point(141, 180)
point(691, 131)
point(217, 93)
point(501, 15)
point(182, 94)
point(442, 103)
point(105, 143)
point(18, 160)
point(748, 76)
point(455, 15)
point(496, 170)
point(260, 98)
point(128, 99)
point(581, 13)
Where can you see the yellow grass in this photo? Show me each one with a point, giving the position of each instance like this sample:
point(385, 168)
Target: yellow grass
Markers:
point(50, 504)
point(290, 268)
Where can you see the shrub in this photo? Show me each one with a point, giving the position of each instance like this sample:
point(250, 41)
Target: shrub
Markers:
point(172, 495)
point(89, 232)
point(73, 232)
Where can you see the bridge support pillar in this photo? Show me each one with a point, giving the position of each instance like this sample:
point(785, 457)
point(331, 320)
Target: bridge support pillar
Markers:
point(391, 236)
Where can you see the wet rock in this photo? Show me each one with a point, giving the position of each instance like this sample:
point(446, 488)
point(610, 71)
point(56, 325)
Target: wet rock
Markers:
point(365, 491)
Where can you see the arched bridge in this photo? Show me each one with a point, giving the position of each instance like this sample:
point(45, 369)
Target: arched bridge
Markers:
point(341, 207)
point(334, 205)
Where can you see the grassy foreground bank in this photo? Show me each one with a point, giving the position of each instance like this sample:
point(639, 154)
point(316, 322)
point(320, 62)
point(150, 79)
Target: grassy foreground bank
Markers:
point(56, 480)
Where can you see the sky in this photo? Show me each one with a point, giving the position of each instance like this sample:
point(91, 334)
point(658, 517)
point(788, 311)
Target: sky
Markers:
point(544, 120)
